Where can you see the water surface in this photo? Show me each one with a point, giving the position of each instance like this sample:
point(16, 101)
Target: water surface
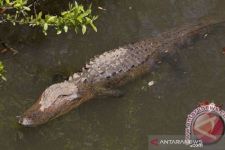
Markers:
point(109, 123)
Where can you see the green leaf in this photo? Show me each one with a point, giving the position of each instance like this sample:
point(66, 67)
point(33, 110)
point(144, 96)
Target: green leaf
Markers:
point(59, 32)
point(2, 71)
point(76, 29)
point(94, 18)
point(7, 1)
point(39, 15)
point(45, 33)
point(3, 78)
point(88, 20)
point(94, 27)
point(76, 4)
point(1, 66)
point(45, 26)
point(26, 8)
point(84, 29)
point(51, 18)
point(65, 28)
point(17, 5)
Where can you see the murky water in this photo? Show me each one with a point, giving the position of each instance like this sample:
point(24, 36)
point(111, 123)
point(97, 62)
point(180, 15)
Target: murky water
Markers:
point(112, 123)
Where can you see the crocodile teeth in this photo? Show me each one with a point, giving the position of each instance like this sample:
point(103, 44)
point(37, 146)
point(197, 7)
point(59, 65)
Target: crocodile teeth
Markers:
point(70, 78)
point(75, 76)
point(87, 66)
point(91, 62)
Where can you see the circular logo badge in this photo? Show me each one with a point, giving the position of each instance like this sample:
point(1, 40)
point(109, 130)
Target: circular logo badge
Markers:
point(208, 127)
point(206, 123)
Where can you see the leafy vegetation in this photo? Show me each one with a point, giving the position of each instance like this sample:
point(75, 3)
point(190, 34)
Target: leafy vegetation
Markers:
point(76, 17)
point(2, 71)
point(21, 12)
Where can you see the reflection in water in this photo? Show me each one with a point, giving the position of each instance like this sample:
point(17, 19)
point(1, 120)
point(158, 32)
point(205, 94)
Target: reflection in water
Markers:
point(108, 123)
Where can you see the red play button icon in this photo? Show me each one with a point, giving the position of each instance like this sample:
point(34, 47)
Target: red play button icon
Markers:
point(154, 142)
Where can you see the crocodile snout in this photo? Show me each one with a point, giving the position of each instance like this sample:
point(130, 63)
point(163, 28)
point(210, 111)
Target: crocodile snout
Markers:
point(25, 121)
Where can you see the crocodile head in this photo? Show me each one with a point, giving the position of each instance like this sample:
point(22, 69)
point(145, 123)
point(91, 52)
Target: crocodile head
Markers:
point(54, 101)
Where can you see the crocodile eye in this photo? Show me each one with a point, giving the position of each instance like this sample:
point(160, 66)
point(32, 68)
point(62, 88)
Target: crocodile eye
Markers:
point(69, 96)
point(63, 96)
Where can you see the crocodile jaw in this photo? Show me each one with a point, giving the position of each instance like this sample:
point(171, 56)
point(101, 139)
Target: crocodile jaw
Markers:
point(54, 101)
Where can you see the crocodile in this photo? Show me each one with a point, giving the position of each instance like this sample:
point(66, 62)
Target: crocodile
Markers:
point(110, 70)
